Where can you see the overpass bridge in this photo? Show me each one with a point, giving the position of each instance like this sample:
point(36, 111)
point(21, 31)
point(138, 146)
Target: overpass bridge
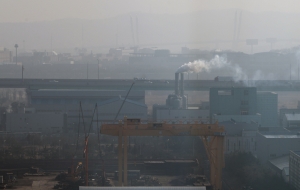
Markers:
point(117, 84)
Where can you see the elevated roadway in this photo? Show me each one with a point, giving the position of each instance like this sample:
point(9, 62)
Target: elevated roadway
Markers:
point(116, 84)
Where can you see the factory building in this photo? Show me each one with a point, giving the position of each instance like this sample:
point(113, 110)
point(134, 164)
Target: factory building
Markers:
point(240, 136)
point(233, 101)
point(67, 102)
point(283, 112)
point(238, 104)
point(276, 143)
point(244, 104)
point(267, 105)
point(176, 107)
point(294, 169)
point(291, 120)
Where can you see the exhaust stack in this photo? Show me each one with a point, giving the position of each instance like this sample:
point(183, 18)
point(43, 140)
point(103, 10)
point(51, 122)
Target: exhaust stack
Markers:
point(177, 84)
point(181, 87)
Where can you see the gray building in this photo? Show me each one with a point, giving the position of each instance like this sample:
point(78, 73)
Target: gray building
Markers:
point(272, 144)
point(267, 106)
point(291, 120)
point(109, 103)
point(233, 101)
point(294, 169)
point(240, 137)
point(244, 104)
point(284, 111)
point(280, 165)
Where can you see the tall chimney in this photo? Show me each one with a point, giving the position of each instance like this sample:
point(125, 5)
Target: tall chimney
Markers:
point(176, 83)
point(181, 87)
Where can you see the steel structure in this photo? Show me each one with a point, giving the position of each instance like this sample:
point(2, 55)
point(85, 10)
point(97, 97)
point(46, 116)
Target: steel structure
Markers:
point(212, 136)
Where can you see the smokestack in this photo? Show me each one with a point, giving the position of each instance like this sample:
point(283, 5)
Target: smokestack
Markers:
point(176, 83)
point(181, 87)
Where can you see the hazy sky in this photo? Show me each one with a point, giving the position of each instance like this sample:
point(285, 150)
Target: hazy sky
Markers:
point(37, 10)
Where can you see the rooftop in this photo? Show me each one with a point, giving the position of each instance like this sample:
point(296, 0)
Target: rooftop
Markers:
point(292, 116)
point(280, 162)
point(282, 136)
point(296, 152)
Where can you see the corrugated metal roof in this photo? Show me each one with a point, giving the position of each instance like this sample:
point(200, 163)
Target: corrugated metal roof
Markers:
point(292, 116)
point(121, 99)
point(280, 162)
point(82, 93)
point(144, 188)
point(282, 136)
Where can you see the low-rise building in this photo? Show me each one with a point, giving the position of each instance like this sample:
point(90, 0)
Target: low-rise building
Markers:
point(240, 136)
point(272, 144)
point(291, 120)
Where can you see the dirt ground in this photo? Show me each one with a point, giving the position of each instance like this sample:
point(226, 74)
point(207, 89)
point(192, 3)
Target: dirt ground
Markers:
point(36, 182)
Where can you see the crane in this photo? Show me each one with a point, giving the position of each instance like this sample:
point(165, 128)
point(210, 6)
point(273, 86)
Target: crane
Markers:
point(212, 136)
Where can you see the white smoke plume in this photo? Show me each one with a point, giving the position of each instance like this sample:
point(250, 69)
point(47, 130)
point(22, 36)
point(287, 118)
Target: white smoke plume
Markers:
point(201, 65)
point(219, 62)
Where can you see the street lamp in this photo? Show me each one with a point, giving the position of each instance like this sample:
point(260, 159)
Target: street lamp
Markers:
point(16, 46)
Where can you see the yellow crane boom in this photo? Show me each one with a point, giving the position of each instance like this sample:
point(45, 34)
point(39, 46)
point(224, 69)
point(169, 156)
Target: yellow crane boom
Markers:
point(212, 136)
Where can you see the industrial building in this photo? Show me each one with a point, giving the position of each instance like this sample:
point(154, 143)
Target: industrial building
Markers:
point(237, 104)
point(67, 102)
point(294, 169)
point(233, 101)
point(244, 104)
point(176, 107)
point(291, 120)
point(284, 111)
point(276, 143)
point(240, 136)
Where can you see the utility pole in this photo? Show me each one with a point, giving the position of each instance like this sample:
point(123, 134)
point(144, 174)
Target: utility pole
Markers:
point(16, 46)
